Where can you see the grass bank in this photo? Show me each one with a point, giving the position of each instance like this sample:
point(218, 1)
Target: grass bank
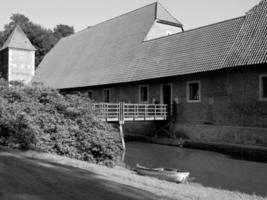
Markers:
point(122, 176)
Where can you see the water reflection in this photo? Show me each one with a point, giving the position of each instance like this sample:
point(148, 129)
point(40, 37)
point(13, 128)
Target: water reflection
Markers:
point(208, 168)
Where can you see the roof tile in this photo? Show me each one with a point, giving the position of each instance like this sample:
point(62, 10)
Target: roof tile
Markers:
point(114, 51)
point(251, 42)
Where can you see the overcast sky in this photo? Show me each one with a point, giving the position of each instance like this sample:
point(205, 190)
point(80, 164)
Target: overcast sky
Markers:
point(83, 13)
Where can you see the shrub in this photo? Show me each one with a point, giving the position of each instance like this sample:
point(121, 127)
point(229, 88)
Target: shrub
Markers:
point(42, 119)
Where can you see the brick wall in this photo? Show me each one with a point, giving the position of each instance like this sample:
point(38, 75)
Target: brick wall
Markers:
point(229, 104)
point(229, 97)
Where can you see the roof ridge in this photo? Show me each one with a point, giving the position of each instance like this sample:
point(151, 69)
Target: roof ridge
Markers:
point(193, 29)
point(256, 6)
point(234, 42)
point(168, 12)
point(215, 23)
point(85, 29)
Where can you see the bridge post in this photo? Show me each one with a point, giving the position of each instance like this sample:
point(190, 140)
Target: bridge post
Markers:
point(122, 136)
point(121, 122)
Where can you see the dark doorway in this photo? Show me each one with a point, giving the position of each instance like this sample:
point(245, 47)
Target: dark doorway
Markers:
point(167, 96)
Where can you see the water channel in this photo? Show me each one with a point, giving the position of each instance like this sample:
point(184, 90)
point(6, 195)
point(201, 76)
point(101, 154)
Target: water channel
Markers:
point(208, 168)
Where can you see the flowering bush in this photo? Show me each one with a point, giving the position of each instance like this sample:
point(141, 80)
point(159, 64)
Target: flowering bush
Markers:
point(42, 119)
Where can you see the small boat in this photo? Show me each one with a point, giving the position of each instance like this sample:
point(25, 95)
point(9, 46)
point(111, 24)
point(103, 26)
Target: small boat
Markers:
point(168, 174)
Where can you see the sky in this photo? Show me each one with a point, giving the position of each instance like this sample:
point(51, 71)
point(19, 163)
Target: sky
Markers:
point(84, 13)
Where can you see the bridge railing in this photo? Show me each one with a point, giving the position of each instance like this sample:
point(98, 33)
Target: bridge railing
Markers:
point(130, 112)
point(107, 111)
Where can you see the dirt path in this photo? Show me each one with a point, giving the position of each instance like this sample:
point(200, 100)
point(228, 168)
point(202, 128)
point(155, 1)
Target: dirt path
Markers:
point(23, 178)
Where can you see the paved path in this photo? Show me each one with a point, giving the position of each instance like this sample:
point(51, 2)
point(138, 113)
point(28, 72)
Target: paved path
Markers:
point(29, 179)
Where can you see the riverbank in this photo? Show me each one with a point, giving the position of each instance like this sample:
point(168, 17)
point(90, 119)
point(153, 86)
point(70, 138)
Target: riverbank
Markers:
point(246, 152)
point(111, 179)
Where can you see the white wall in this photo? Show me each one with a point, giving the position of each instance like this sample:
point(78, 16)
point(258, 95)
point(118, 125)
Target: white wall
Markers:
point(21, 65)
point(160, 30)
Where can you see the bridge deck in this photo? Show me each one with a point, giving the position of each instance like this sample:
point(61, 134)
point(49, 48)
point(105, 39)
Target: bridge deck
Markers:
point(121, 112)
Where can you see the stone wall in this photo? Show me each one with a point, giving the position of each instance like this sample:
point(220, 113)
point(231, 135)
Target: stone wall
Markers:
point(228, 134)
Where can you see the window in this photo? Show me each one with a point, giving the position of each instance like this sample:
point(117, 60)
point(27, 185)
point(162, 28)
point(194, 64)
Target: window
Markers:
point(143, 94)
point(168, 32)
point(90, 94)
point(193, 91)
point(263, 87)
point(107, 95)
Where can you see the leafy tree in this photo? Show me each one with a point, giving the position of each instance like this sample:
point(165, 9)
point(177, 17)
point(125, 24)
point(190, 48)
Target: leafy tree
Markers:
point(43, 39)
point(19, 19)
point(61, 31)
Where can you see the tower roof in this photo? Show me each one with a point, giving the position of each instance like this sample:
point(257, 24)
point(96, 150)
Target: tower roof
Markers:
point(17, 39)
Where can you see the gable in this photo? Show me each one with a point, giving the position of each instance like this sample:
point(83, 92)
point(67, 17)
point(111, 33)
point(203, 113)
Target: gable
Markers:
point(164, 25)
point(164, 16)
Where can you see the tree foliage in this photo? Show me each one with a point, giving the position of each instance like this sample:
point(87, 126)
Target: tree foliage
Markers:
point(43, 39)
point(62, 30)
point(42, 119)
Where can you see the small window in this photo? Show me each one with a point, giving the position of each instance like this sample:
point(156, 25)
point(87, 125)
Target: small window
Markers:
point(193, 91)
point(143, 92)
point(263, 87)
point(107, 95)
point(90, 94)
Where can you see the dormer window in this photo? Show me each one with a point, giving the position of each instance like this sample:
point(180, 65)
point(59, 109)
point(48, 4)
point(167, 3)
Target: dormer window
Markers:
point(164, 25)
point(168, 32)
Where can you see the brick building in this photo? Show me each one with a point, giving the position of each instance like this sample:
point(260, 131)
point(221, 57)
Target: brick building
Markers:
point(216, 75)
point(17, 57)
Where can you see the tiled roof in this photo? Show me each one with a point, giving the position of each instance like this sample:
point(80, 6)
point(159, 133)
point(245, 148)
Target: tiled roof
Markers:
point(250, 46)
point(100, 52)
point(197, 50)
point(114, 51)
point(18, 40)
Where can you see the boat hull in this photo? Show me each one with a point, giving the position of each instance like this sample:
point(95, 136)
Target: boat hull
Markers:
point(163, 173)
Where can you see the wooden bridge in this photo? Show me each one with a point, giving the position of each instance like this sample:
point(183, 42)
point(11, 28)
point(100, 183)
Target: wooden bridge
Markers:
point(121, 112)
